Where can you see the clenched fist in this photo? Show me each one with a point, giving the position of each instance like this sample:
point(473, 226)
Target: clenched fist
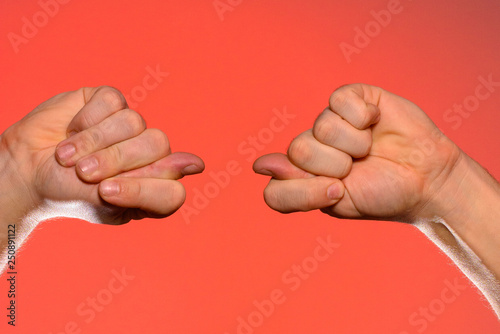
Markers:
point(371, 154)
point(88, 149)
point(374, 155)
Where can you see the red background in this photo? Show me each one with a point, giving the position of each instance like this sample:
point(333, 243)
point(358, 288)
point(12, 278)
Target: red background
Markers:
point(225, 79)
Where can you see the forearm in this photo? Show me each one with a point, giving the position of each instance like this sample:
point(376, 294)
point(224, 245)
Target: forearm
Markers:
point(466, 226)
point(15, 202)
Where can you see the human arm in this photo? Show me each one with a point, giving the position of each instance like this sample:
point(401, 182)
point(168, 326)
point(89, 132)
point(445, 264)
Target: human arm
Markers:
point(40, 182)
point(392, 163)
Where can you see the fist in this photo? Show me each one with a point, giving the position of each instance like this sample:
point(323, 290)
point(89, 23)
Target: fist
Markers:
point(88, 146)
point(370, 154)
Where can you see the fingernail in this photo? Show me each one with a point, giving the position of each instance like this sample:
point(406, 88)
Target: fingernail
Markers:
point(191, 169)
point(334, 191)
point(266, 172)
point(110, 188)
point(88, 165)
point(66, 151)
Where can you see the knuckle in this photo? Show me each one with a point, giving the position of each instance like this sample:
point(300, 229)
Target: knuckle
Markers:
point(179, 194)
point(87, 142)
point(339, 98)
point(137, 190)
point(95, 137)
point(159, 140)
point(135, 121)
point(174, 195)
point(88, 119)
point(363, 152)
point(325, 130)
point(130, 189)
point(345, 166)
point(112, 97)
point(366, 146)
point(116, 154)
point(299, 151)
point(364, 119)
point(271, 197)
point(309, 199)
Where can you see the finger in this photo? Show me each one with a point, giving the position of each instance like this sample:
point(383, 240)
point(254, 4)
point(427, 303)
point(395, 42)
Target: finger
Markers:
point(158, 197)
point(357, 104)
point(332, 130)
point(100, 103)
point(316, 158)
point(118, 127)
point(146, 148)
point(279, 167)
point(174, 166)
point(303, 194)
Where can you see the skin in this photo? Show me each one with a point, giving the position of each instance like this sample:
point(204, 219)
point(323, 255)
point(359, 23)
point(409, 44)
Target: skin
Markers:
point(370, 155)
point(374, 155)
point(136, 175)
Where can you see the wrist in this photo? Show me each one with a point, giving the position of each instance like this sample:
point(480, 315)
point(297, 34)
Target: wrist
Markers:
point(16, 201)
point(468, 203)
point(16, 196)
point(468, 199)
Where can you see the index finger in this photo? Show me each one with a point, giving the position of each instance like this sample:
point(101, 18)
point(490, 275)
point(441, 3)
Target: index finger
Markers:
point(100, 103)
point(279, 167)
point(357, 104)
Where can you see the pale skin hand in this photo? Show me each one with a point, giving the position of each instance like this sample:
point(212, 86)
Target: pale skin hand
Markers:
point(134, 161)
point(387, 160)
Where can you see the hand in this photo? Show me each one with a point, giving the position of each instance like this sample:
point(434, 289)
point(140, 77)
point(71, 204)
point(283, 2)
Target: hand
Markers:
point(88, 146)
point(384, 157)
point(375, 155)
